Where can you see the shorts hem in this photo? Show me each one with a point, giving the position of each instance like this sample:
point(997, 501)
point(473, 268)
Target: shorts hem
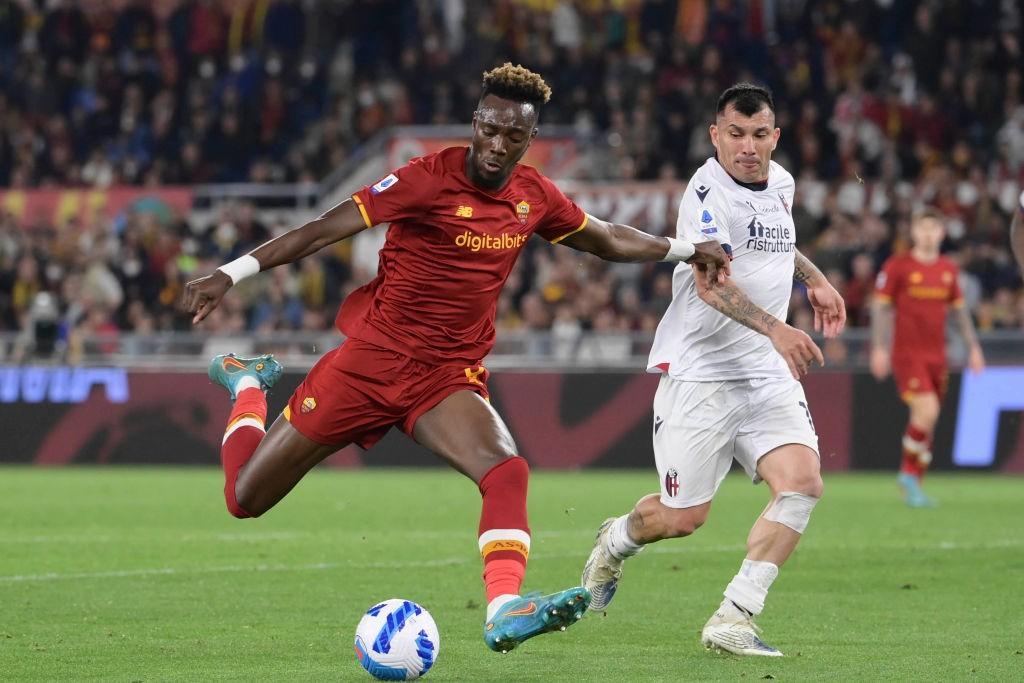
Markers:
point(408, 424)
point(679, 505)
point(366, 445)
point(756, 478)
point(304, 432)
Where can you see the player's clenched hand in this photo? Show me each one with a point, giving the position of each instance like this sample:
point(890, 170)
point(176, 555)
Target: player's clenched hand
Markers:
point(880, 365)
point(711, 258)
point(829, 310)
point(797, 348)
point(203, 294)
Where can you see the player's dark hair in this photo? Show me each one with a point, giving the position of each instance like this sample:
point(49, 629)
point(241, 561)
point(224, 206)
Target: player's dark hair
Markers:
point(747, 99)
point(928, 212)
point(516, 83)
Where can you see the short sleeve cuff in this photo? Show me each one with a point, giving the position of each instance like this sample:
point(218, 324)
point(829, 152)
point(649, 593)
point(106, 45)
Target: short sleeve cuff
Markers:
point(362, 210)
point(586, 219)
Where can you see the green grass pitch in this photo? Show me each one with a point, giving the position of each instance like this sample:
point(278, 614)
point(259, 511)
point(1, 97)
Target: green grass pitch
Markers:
point(140, 575)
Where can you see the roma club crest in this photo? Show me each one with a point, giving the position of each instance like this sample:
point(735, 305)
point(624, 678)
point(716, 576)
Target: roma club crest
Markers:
point(522, 211)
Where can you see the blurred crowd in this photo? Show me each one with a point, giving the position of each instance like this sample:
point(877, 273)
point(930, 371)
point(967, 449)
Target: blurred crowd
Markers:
point(884, 106)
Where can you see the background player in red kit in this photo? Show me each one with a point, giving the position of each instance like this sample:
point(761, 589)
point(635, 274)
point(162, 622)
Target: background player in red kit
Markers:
point(417, 334)
point(920, 286)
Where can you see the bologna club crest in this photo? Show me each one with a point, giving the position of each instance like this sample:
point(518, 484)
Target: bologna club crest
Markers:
point(672, 482)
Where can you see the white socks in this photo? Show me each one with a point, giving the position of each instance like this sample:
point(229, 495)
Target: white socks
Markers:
point(497, 603)
point(246, 382)
point(620, 545)
point(749, 588)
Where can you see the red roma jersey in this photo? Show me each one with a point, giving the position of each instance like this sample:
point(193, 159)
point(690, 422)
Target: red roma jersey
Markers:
point(920, 294)
point(448, 252)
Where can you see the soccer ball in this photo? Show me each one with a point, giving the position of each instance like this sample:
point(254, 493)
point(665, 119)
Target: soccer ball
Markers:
point(397, 640)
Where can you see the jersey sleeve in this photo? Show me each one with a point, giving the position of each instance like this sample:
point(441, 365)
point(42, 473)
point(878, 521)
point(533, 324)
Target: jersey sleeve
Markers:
point(404, 193)
point(888, 282)
point(562, 216)
point(704, 215)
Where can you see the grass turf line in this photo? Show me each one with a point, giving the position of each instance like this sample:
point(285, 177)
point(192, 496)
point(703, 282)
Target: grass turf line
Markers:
point(141, 575)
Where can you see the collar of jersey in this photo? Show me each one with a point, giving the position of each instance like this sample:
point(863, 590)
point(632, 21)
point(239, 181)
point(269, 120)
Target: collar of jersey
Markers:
point(753, 187)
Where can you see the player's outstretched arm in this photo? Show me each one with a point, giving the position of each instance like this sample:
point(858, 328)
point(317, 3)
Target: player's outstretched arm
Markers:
point(795, 346)
point(881, 337)
point(829, 307)
point(975, 357)
point(202, 295)
point(1017, 233)
point(614, 242)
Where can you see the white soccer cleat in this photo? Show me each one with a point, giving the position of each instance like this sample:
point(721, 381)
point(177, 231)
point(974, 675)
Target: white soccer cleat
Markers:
point(602, 571)
point(736, 634)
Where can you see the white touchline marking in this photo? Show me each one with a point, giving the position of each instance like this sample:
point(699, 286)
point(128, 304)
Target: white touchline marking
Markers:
point(469, 557)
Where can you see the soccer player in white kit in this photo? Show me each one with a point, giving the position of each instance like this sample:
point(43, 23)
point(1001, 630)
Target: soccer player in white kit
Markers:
point(729, 368)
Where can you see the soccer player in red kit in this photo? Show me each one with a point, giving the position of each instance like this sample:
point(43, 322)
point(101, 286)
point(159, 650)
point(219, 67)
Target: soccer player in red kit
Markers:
point(416, 335)
point(919, 286)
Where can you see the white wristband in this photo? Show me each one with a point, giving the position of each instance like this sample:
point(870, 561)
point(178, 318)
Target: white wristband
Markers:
point(679, 250)
point(241, 268)
point(1021, 200)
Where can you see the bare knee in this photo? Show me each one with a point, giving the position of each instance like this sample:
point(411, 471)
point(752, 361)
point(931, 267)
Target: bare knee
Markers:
point(924, 411)
point(684, 521)
point(809, 484)
point(805, 480)
point(244, 501)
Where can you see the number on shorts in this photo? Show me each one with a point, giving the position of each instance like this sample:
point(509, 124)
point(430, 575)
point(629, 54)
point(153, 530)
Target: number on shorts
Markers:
point(808, 412)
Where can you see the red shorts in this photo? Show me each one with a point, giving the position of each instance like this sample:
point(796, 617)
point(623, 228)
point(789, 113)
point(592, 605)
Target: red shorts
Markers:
point(915, 375)
point(358, 391)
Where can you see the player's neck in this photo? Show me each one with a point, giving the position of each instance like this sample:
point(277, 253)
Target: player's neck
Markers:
point(759, 186)
point(924, 256)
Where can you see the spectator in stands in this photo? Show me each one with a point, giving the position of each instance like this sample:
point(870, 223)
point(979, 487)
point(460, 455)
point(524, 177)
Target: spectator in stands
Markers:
point(890, 106)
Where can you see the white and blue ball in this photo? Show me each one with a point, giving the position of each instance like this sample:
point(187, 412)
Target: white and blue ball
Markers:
point(397, 640)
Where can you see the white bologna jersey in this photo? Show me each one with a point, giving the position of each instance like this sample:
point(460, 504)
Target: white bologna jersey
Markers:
point(696, 343)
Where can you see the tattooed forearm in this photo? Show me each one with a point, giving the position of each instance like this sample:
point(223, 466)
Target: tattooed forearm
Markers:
point(804, 271)
point(730, 300)
point(881, 323)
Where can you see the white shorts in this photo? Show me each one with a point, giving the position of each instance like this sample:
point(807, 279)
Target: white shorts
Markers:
point(700, 427)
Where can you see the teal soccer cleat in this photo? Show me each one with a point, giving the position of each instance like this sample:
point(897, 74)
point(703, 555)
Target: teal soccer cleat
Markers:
point(227, 369)
point(915, 497)
point(523, 618)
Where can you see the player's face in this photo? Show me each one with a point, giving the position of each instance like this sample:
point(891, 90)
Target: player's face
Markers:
point(927, 234)
point(745, 143)
point(502, 132)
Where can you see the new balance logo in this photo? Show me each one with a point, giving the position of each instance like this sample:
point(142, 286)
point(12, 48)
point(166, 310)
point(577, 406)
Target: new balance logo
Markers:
point(464, 212)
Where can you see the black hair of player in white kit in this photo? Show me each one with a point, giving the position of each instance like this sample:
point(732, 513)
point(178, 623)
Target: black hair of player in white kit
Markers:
point(747, 99)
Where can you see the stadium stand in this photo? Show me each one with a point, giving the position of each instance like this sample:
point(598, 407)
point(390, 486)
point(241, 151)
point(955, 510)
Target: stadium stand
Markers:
point(884, 106)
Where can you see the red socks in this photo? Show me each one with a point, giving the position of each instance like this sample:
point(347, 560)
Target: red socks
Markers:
point(245, 430)
point(504, 532)
point(917, 451)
